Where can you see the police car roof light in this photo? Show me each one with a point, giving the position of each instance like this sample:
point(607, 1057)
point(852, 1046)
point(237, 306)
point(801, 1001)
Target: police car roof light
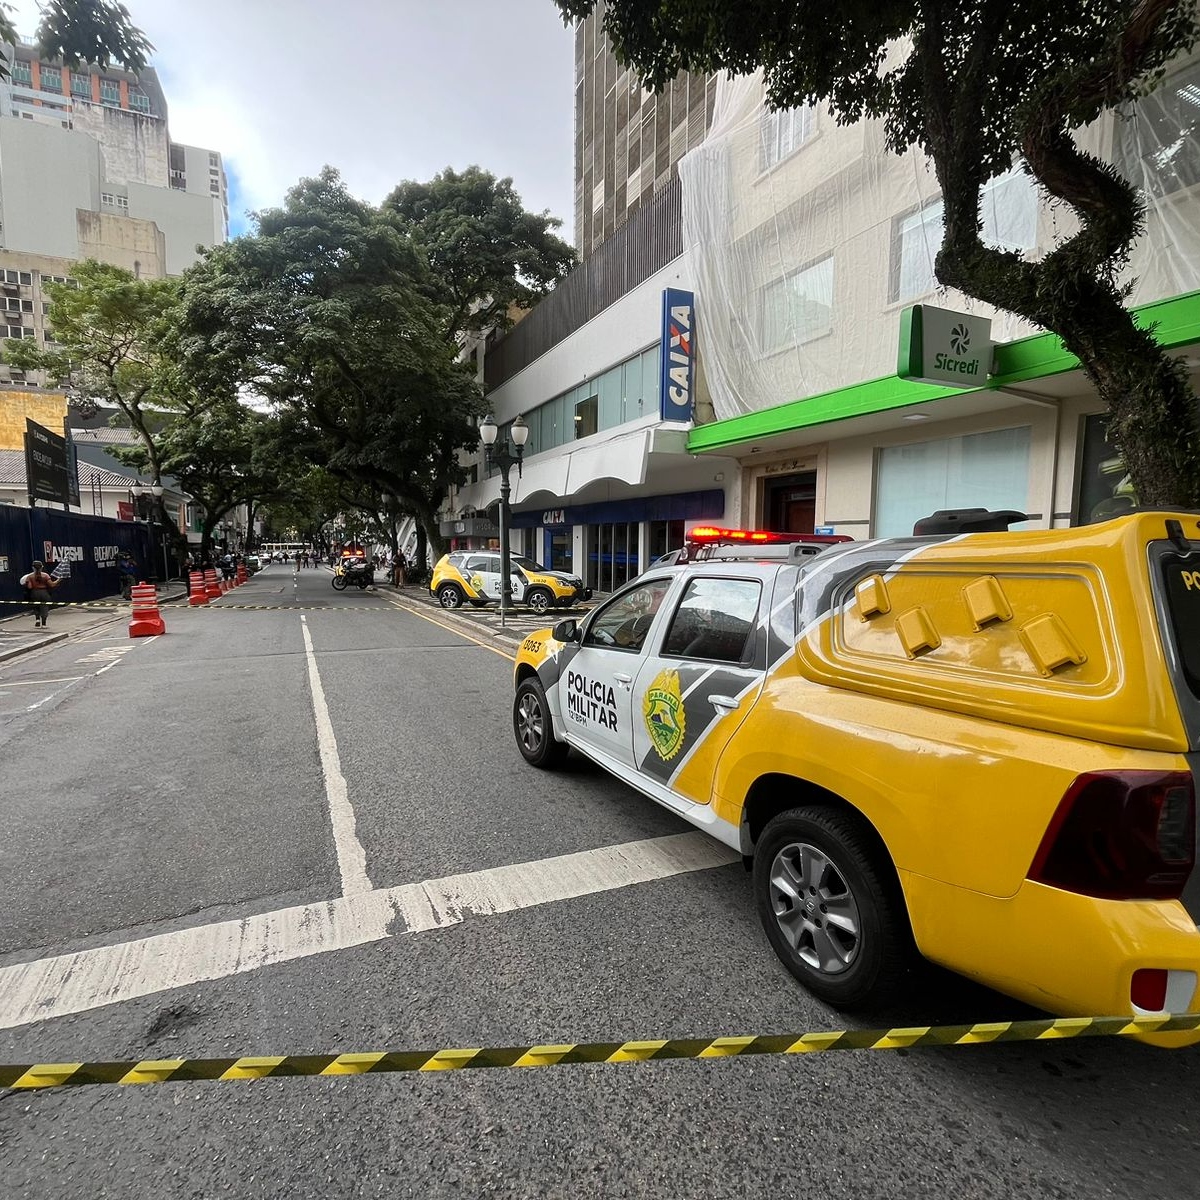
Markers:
point(711, 534)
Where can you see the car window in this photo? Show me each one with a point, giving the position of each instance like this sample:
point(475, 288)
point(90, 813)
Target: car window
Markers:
point(714, 620)
point(527, 564)
point(483, 562)
point(457, 560)
point(624, 622)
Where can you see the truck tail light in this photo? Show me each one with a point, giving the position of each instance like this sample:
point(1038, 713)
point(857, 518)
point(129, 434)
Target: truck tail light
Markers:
point(1121, 835)
point(1148, 989)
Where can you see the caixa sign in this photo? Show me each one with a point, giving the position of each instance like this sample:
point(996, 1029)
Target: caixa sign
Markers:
point(678, 375)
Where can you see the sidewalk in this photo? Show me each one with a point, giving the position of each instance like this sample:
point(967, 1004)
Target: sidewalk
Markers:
point(19, 635)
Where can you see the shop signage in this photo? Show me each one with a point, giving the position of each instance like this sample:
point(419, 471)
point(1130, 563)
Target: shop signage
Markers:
point(948, 348)
point(125, 511)
point(46, 464)
point(554, 516)
point(469, 527)
point(677, 375)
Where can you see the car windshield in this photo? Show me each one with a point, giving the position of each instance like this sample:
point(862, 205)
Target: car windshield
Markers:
point(526, 564)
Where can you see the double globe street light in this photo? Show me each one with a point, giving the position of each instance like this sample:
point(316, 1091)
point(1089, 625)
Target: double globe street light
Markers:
point(148, 511)
point(504, 459)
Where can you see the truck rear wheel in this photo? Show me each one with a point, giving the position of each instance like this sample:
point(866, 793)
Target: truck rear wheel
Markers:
point(832, 908)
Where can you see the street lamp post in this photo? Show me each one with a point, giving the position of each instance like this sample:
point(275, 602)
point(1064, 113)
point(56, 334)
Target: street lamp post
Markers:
point(504, 459)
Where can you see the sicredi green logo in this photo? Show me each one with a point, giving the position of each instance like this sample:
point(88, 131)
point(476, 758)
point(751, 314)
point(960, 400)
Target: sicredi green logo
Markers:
point(960, 343)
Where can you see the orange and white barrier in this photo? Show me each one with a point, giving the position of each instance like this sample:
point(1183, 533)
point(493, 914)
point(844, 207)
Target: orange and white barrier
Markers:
point(146, 620)
point(197, 592)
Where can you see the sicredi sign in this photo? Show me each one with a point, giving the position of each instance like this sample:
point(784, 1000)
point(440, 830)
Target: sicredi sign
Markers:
point(949, 348)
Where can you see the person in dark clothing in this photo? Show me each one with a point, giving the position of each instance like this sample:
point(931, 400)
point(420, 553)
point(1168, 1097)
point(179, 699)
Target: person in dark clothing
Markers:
point(39, 585)
point(127, 573)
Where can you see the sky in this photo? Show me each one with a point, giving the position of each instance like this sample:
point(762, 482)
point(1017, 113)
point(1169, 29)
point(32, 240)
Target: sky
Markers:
point(383, 90)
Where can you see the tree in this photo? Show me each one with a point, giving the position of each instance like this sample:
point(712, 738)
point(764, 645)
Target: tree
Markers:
point(108, 346)
point(219, 452)
point(485, 251)
point(325, 313)
point(982, 84)
point(84, 31)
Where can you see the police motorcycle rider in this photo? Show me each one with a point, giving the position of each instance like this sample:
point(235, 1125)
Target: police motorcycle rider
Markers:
point(357, 571)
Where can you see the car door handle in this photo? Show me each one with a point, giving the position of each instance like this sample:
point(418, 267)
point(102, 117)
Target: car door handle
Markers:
point(623, 679)
point(723, 703)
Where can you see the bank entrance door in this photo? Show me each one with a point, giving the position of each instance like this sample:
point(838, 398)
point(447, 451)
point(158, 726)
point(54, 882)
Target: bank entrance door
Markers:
point(790, 502)
point(612, 555)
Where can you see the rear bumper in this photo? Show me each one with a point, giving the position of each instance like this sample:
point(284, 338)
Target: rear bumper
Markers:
point(1070, 955)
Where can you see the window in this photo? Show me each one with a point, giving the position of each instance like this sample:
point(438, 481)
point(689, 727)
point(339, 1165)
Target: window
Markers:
point(1156, 142)
point(587, 412)
point(139, 101)
point(110, 92)
point(798, 307)
point(625, 621)
point(22, 72)
point(213, 158)
point(980, 470)
point(25, 278)
point(27, 306)
point(915, 244)
point(51, 79)
point(714, 620)
point(10, 277)
point(783, 133)
point(81, 85)
point(1007, 209)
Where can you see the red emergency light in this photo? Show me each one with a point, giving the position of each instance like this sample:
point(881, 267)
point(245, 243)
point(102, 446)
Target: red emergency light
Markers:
point(707, 535)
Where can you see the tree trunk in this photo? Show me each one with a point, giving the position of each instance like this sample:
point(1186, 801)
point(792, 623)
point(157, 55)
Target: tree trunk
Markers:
point(1153, 416)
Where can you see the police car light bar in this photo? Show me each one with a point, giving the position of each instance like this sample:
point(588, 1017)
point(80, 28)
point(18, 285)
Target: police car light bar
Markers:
point(707, 535)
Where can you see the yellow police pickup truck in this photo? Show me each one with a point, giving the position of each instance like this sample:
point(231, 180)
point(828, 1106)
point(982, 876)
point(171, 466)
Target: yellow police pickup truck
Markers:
point(979, 748)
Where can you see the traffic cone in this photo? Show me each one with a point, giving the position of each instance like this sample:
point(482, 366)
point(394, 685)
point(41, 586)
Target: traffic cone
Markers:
point(146, 620)
point(211, 586)
point(241, 573)
point(197, 592)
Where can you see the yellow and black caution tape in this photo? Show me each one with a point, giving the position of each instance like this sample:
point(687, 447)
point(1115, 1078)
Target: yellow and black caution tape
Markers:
point(179, 1070)
point(69, 603)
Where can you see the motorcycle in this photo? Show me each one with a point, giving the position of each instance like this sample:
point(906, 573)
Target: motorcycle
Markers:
point(358, 574)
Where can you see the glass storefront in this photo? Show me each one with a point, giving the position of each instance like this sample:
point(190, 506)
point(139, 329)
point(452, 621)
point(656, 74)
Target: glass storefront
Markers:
point(558, 550)
point(665, 536)
point(612, 555)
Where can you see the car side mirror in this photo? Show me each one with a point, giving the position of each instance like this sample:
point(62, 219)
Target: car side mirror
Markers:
point(566, 631)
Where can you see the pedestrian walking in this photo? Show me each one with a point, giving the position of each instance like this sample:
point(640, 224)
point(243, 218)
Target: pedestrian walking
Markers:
point(398, 568)
point(38, 585)
point(127, 573)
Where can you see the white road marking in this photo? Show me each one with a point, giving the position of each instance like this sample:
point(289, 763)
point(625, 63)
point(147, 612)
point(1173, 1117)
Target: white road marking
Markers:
point(72, 983)
point(106, 653)
point(35, 682)
point(352, 859)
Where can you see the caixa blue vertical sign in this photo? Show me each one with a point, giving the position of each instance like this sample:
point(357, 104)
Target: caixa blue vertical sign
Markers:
point(678, 373)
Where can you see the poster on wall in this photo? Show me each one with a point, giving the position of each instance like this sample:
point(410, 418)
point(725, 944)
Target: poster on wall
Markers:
point(1103, 488)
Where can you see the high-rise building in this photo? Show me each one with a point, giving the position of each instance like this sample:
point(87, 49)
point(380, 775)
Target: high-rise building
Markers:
point(627, 139)
point(88, 170)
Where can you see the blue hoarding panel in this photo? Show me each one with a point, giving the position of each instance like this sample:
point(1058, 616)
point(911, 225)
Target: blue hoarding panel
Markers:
point(88, 544)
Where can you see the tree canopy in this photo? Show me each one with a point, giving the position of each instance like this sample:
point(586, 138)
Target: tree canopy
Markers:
point(980, 85)
point(107, 347)
point(486, 253)
point(325, 313)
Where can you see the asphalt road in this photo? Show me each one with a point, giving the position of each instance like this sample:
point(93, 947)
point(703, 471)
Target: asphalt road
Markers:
point(174, 789)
